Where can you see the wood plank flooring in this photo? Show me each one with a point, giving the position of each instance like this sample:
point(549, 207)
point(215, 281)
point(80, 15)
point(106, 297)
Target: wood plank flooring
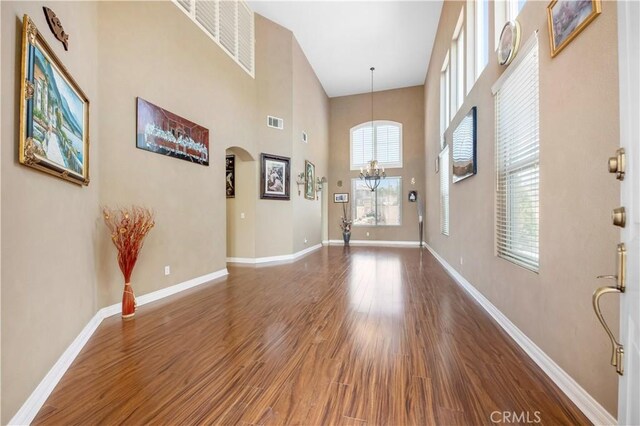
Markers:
point(349, 336)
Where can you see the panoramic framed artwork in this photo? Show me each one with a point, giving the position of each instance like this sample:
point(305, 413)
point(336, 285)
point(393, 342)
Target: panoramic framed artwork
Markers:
point(567, 18)
point(166, 133)
point(231, 176)
point(274, 177)
point(309, 180)
point(341, 198)
point(464, 147)
point(54, 112)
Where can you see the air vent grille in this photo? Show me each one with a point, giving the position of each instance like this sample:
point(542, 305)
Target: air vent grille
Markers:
point(275, 122)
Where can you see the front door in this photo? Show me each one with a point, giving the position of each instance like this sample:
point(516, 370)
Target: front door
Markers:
point(629, 55)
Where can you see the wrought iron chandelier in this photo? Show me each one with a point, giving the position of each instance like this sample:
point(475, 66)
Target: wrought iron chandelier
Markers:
point(373, 173)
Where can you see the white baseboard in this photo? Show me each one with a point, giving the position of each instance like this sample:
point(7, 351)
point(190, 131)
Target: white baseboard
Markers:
point(36, 400)
point(281, 258)
point(375, 243)
point(595, 412)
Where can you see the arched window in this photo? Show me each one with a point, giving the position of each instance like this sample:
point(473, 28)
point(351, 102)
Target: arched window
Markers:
point(384, 144)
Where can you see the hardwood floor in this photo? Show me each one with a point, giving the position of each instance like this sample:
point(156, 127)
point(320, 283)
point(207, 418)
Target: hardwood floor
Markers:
point(349, 336)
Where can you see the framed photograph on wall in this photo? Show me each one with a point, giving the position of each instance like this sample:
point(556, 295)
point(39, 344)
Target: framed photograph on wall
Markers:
point(54, 112)
point(231, 176)
point(309, 180)
point(166, 133)
point(274, 177)
point(341, 198)
point(567, 18)
point(464, 147)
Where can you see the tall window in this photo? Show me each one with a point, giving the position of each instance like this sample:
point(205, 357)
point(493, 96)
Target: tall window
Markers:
point(444, 100)
point(444, 190)
point(517, 160)
point(505, 10)
point(457, 66)
point(481, 36)
point(381, 207)
point(229, 23)
point(383, 143)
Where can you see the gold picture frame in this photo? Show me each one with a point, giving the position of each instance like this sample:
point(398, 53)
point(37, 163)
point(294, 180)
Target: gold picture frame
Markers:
point(309, 180)
point(54, 112)
point(567, 18)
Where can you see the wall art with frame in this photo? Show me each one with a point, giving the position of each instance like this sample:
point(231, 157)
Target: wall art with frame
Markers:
point(275, 177)
point(54, 112)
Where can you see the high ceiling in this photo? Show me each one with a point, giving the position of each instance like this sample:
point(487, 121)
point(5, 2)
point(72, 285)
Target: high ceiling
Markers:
point(343, 39)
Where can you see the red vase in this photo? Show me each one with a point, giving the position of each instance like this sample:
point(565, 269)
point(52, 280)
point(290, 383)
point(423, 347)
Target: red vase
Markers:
point(128, 302)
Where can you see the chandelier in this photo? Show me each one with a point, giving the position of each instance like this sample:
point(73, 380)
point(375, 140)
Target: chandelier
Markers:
point(373, 173)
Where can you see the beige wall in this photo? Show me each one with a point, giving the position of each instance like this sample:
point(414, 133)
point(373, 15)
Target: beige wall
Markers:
point(62, 266)
point(578, 132)
point(49, 226)
point(310, 114)
point(405, 106)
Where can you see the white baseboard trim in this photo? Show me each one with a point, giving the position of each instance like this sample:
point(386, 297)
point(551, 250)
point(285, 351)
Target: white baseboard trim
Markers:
point(375, 243)
point(38, 397)
point(595, 412)
point(281, 258)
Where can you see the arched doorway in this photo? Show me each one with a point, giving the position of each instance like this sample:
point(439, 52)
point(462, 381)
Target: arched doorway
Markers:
point(241, 177)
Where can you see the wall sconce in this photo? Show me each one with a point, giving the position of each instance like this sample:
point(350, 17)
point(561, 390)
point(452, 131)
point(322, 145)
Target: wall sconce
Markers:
point(300, 180)
point(319, 182)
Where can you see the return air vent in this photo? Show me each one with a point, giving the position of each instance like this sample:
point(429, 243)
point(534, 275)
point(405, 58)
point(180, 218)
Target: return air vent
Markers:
point(275, 122)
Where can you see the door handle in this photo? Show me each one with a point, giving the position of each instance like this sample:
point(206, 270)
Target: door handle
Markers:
point(621, 277)
point(617, 349)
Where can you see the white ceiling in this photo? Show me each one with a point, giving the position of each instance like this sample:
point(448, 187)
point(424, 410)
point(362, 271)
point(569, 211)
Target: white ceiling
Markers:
point(343, 39)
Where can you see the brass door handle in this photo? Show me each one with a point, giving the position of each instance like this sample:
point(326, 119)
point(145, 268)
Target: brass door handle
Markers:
point(621, 277)
point(617, 350)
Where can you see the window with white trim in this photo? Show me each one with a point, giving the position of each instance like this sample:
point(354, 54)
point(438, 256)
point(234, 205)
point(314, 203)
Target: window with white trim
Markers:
point(382, 207)
point(505, 10)
point(444, 99)
point(518, 159)
point(444, 190)
point(478, 39)
point(457, 66)
point(230, 23)
point(382, 142)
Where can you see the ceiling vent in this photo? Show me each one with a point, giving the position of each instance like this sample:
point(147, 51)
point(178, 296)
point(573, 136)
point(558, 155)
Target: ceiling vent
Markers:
point(275, 122)
point(304, 137)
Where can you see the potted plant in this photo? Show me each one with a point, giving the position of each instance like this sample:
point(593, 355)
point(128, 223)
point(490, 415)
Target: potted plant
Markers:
point(345, 225)
point(128, 227)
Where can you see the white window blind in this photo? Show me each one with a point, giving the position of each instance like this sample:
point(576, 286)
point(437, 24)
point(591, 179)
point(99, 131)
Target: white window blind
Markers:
point(230, 23)
point(383, 144)
point(518, 159)
point(444, 190)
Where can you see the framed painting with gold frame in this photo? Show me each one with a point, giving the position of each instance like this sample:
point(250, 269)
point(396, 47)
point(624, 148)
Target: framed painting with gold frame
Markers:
point(309, 180)
point(54, 112)
point(567, 18)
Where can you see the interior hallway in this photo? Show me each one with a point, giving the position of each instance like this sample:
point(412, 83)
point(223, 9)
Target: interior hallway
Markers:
point(356, 335)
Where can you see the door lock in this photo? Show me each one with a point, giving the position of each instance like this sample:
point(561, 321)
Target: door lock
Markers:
point(617, 164)
point(619, 217)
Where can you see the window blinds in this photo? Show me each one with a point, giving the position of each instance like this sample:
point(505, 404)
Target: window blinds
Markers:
point(230, 23)
point(517, 160)
point(386, 146)
point(444, 191)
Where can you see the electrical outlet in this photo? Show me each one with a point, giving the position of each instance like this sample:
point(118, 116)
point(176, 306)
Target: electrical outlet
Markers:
point(367, 234)
point(242, 215)
point(167, 270)
point(461, 260)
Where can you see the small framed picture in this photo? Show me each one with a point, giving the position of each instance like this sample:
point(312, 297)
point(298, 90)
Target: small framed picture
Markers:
point(231, 176)
point(413, 196)
point(341, 198)
point(274, 177)
point(567, 18)
point(309, 180)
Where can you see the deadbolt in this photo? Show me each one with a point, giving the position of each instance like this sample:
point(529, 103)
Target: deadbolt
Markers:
point(619, 217)
point(617, 164)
